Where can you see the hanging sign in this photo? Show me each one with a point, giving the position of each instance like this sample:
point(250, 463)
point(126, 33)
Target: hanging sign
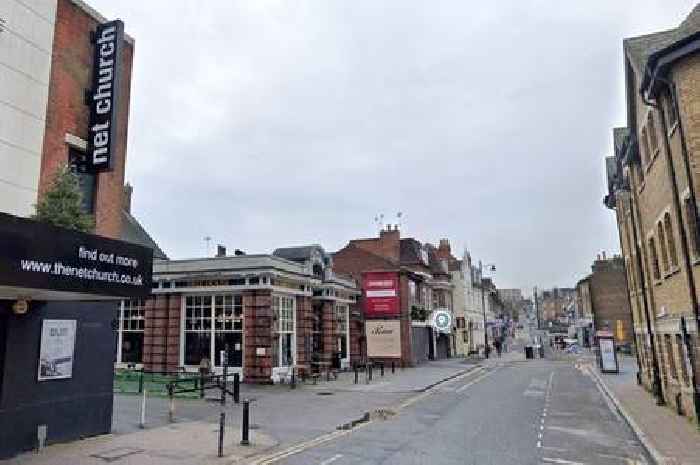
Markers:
point(104, 101)
point(442, 321)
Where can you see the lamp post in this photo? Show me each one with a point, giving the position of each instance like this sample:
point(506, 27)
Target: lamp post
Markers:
point(490, 267)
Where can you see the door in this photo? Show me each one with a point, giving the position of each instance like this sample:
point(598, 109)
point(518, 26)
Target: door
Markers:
point(234, 341)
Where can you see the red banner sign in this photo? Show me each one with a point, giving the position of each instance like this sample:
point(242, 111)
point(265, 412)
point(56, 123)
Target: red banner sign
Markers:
point(381, 293)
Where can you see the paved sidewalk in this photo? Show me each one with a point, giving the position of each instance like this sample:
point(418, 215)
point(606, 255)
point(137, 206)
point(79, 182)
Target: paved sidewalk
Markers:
point(280, 417)
point(672, 439)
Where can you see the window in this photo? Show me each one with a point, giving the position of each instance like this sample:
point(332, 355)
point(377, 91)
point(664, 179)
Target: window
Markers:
point(691, 219)
point(283, 325)
point(669, 355)
point(651, 133)
point(213, 322)
point(646, 154)
point(681, 355)
point(654, 259)
point(662, 244)
point(671, 240)
point(412, 294)
point(465, 336)
point(131, 327)
point(86, 180)
point(341, 317)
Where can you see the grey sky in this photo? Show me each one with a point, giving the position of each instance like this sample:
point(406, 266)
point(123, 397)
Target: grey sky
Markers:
point(274, 123)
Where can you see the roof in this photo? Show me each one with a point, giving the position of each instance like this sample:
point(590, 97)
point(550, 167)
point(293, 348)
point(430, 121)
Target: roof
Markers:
point(410, 251)
point(300, 253)
point(133, 232)
point(639, 49)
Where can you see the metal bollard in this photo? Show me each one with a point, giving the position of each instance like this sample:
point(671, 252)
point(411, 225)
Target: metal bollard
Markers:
point(142, 420)
point(246, 425)
point(356, 375)
point(141, 382)
point(171, 406)
point(392, 367)
point(236, 387)
point(222, 425)
point(381, 368)
point(201, 385)
point(371, 365)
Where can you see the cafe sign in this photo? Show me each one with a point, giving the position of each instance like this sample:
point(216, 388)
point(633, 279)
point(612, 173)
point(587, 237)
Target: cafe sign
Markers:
point(383, 338)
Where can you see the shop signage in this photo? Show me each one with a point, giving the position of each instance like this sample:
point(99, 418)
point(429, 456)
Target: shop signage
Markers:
point(37, 256)
point(608, 358)
point(104, 101)
point(383, 338)
point(57, 349)
point(442, 321)
point(381, 292)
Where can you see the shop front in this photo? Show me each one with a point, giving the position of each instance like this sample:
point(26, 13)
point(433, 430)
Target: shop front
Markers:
point(59, 300)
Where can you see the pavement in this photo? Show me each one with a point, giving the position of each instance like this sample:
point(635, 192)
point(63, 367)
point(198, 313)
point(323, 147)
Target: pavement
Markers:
point(671, 439)
point(504, 413)
point(280, 418)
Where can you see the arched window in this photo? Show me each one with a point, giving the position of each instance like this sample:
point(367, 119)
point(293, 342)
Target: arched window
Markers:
point(653, 256)
point(662, 244)
point(671, 239)
point(691, 221)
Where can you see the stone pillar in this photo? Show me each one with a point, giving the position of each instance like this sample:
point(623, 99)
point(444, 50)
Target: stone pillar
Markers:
point(257, 314)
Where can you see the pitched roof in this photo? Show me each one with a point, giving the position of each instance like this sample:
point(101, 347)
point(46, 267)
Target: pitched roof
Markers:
point(640, 48)
point(133, 232)
point(300, 253)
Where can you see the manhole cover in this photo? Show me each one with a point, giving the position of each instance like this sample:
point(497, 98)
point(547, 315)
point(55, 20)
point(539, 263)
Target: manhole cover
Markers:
point(324, 393)
point(116, 454)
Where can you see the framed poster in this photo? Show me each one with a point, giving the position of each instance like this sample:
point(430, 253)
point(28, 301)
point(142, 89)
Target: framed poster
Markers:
point(57, 349)
point(608, 358)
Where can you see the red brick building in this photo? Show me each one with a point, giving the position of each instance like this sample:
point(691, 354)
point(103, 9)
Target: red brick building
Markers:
point(418, 289)
point(274, 312)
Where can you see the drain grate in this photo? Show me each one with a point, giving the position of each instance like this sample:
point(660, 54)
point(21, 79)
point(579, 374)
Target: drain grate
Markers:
point(324, 393)
point(116, 454)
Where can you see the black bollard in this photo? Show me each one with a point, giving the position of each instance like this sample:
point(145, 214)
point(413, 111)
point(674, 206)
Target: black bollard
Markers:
point(293, 382)
point(392, 367)
point(244, 429)
point(222, 424)
point(141, 382)
point(370, 371)
point(355, 368)
point(201, 385)
point(381, 368)
point(236, 387)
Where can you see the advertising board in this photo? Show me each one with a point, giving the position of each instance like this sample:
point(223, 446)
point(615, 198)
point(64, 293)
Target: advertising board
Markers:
point(381, 293)
point(383, 338)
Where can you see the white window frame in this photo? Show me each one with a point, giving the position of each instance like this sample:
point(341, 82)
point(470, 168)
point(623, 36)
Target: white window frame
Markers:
point(121, 329)
point(277, 310)
point(342, 312)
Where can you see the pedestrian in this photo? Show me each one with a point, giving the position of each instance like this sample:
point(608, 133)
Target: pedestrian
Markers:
point(204, 365)
point(497, 345)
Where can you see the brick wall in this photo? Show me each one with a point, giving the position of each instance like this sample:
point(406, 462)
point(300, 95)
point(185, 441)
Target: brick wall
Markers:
point(257, 311)
point(71, 70)
point(161, 338)
point(608, 289)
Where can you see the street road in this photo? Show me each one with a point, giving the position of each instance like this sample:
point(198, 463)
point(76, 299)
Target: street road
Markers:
point(535, 412)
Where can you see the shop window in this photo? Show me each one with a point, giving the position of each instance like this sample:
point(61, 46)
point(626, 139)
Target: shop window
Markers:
point(669, 356)
point(662, 244)
point(691, 219)
point(654, 259)
point(131, 329)
point(213, 322)
point(670, 238)
point(283, 310)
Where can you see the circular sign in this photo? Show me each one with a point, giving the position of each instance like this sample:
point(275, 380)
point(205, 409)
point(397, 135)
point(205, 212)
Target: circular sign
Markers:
point(442, 320)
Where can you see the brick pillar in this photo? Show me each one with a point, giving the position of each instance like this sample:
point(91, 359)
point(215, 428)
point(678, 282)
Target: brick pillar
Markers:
point(304, 326)
point(172, 351)
point(330, 337)
point(357, 332)
point(257, 314)
point(156, 314)
point(406, 328)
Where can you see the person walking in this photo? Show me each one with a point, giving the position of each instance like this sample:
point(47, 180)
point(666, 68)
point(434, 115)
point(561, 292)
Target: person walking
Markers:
point(497, 343)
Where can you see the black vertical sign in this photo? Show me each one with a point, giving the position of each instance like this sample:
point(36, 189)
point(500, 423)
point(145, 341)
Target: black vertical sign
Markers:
point(102, 134)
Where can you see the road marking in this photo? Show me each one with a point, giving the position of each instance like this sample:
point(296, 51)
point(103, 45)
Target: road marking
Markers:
point(331, 460)
point(539, 444)
point(473, 382)
point(561, 461)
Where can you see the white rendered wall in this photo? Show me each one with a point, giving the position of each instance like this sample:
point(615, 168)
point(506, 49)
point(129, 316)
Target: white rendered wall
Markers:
point(26, 41)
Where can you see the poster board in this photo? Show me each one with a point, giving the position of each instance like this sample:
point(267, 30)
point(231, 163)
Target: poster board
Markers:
point(381, 293)
point(383, 338)
point(608, 357)
point(57, 349)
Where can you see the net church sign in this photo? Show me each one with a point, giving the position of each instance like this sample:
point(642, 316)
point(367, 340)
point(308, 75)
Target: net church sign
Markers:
point(106, 73)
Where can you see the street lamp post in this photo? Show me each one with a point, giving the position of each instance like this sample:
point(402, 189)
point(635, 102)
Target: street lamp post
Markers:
point(490, 267)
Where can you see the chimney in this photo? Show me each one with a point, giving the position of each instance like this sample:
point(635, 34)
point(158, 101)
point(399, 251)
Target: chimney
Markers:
point(220, 250)
point(443, 251)
point(126, 199)
point(603, 254)
point(597, 257)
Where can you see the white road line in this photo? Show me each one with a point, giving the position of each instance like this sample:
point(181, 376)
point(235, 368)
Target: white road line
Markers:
point(561, 461)
point(331, 460)
point(539, 444)
point(471, 383)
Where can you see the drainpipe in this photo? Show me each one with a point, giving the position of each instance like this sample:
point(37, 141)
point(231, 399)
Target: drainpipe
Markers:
point(681, 229)
point(656, 383)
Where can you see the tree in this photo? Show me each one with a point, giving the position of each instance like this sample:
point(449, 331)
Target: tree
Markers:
point(62, 204)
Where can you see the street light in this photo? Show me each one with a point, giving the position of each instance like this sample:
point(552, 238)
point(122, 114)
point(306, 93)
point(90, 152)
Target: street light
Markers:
point(492, 268)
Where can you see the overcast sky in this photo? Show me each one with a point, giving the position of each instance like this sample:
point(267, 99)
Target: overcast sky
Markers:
point(274, 123)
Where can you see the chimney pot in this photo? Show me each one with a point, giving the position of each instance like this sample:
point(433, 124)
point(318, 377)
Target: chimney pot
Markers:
point(220, 250)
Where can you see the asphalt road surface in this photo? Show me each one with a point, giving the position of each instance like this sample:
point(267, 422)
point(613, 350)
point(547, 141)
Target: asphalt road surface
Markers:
point(536, 412)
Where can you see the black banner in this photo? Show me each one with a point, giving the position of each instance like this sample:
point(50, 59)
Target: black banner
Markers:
point(36, 255)
point(106, 67)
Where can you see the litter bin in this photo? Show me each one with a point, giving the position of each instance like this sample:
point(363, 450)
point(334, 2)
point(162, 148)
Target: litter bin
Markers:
point(528, 352)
